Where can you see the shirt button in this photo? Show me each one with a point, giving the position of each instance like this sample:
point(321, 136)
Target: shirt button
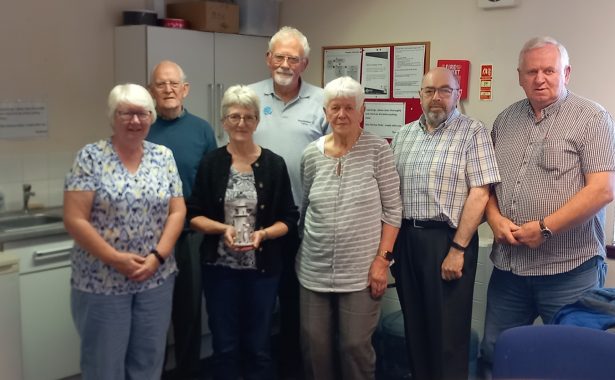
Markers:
point(262, 207)
point(260, 184)
point(256, 164)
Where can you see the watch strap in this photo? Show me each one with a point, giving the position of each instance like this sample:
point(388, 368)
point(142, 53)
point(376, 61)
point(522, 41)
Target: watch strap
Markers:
point(458, 246)
point(155, 252)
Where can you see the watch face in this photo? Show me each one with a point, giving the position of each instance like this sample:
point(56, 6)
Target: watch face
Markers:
point(546, 233)
point(387, 255)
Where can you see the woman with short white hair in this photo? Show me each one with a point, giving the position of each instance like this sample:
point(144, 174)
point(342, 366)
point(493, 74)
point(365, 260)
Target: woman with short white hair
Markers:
point(123, 205)
point(243, 205)
point(352, 213)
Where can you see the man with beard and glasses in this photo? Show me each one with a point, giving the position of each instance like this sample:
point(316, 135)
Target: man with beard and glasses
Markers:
point(446, 164)
point(292, 116)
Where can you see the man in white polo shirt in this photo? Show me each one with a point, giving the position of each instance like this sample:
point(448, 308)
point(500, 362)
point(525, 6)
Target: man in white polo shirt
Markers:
point(291, 117)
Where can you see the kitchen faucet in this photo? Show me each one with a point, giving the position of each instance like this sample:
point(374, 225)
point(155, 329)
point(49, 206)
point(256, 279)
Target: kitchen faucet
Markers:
point(27, 193)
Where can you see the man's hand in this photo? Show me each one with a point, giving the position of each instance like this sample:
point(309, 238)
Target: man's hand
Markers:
point(529, 234)
point(452, 266)
point(503, 229)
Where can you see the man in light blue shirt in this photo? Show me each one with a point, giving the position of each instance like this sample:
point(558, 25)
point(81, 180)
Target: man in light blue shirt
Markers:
point(291, 117)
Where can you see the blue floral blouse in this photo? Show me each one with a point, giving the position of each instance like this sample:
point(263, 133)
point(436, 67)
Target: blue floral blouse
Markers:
point(129, 211)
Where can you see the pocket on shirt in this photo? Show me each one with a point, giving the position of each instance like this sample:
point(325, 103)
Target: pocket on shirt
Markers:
point(557, 155)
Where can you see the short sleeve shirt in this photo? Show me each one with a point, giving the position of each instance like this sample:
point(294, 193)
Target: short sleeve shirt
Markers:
point(129, 212)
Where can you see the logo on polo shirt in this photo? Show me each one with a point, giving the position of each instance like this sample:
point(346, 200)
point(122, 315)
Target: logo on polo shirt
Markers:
point(267, 110)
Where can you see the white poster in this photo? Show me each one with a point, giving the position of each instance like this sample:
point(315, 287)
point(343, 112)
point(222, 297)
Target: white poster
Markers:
point(408, 68)
point(23, 119)
point(376, 72)
point(341, 62)
point(384, 118)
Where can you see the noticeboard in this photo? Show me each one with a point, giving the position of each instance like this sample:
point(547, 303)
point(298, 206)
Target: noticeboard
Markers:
point(391, 75)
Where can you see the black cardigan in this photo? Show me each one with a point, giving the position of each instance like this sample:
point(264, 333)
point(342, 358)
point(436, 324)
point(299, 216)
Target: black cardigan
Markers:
point(274, 203)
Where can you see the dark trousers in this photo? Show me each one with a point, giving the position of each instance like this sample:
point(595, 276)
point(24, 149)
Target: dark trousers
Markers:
point(437, 313)
point(240, 306)
point(186, 314)
point(289, 360)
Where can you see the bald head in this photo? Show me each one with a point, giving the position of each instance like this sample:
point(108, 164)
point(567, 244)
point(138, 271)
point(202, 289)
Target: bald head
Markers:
point(442, 74)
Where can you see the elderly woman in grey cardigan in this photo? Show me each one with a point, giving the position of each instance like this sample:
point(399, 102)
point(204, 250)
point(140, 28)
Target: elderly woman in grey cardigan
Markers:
point(351, 215)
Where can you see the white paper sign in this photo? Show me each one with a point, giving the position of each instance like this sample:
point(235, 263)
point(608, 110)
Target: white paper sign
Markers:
point(23, 119)
point(384, 118)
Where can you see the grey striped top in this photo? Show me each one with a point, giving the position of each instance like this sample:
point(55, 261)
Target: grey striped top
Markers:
point(542, 165)
point(345, 202)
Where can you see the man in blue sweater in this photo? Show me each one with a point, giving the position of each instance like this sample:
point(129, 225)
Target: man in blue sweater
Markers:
point(189, 137)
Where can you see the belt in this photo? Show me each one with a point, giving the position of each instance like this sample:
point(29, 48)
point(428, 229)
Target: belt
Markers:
point(426, 223)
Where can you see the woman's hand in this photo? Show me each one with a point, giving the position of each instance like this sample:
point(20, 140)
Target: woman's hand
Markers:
point(147, 269)
point(258, 237)
point(127, 263)
point(229, 236)
point(378, 276)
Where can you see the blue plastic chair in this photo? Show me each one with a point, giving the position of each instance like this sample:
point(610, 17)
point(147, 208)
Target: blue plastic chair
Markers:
point(554, 352)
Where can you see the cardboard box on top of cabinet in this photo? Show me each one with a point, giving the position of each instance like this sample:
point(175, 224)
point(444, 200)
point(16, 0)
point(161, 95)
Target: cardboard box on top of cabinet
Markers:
point(207, 16)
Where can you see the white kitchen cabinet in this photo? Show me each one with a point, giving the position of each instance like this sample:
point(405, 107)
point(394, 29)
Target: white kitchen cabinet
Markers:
point(50, 343)
point(212, 63)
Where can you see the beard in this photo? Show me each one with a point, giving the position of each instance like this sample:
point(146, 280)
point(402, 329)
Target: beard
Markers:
point(436, 117)
point(283, 78)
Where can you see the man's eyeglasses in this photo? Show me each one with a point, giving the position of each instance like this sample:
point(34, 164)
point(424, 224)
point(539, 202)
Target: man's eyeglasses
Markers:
point(236, 118)
point(278, 59)
point(127, 116)
point(162, 85)
point(444, 92)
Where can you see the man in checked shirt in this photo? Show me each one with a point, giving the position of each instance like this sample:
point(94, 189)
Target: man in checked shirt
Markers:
point(446, 164)
point(555, 151)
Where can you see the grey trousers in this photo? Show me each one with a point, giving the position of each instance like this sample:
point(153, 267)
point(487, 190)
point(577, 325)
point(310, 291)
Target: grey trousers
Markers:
point(336, 334)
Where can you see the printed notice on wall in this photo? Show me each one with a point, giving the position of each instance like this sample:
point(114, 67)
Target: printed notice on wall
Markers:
point(23, 120)
point(384, 118)
point(375, 72)
point(408, 70)
point(342, 62)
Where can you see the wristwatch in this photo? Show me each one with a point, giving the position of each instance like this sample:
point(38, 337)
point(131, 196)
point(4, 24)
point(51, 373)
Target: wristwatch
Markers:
point(544, 230)
point(387, 255)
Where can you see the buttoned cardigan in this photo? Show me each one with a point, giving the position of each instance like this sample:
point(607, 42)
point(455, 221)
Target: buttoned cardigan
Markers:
point(274, 203)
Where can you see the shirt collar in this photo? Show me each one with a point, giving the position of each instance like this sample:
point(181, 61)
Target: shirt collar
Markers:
point(303, 90)
point(552, 108)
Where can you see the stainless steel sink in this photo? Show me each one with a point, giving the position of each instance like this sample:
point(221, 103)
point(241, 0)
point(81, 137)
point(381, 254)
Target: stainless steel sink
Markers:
point(21, 221)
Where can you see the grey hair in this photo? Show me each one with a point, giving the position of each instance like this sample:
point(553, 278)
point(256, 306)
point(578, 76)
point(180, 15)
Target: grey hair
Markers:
point(538, 42)
point(344, 87)
point(290, 32)
point(130, 94)
point(182, 75)
point(242, 96)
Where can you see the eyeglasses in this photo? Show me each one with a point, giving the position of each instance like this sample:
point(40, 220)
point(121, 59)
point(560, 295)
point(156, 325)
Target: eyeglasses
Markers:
point(236, 118)
point(162, 85)
point(128, 116)
point(444, 92)
point(278, 59)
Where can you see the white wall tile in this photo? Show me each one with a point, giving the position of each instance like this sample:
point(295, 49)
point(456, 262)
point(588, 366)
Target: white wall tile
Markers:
point(35, 167)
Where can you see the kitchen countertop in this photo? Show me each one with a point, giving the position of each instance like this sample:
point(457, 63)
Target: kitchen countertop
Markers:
point(34, 231)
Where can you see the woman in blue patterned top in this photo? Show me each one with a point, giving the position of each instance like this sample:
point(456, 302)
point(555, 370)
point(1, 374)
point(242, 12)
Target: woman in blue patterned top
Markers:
point(243, 204)
point(123, 205)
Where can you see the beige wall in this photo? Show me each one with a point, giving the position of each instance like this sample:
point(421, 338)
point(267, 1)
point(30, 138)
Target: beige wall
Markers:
point(61, 52)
